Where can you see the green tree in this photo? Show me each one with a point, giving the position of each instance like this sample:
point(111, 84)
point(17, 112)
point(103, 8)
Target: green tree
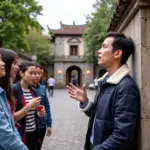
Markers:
point(97, 26)
point(17, 17)
point(41, 47)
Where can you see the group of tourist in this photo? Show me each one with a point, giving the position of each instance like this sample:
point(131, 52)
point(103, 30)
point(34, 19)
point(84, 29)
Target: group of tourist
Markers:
point(114, 114)
point(25, 114)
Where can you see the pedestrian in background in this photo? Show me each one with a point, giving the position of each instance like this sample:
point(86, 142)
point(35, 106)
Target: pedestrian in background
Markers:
point(74, 81)
point(51, 84)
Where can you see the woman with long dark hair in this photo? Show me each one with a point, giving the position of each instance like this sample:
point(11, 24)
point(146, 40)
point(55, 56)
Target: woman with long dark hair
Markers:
point(9, 138)
point(10, 58)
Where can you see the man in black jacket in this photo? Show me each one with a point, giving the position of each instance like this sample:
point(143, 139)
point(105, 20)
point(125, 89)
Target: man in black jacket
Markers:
point(115, 110)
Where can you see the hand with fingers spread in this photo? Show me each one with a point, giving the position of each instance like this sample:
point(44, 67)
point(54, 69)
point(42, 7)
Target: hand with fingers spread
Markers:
point(78, 94)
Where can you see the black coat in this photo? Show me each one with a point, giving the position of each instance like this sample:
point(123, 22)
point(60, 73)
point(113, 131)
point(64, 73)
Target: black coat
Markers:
point(115, 111)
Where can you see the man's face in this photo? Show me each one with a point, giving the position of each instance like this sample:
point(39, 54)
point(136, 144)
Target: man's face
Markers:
point(105, 54)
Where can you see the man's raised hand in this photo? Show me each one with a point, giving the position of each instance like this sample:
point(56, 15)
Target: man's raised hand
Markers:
point(76, 93)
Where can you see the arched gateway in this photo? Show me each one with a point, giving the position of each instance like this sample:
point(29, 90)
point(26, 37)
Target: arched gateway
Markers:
point(74, 73)
point(69, 56)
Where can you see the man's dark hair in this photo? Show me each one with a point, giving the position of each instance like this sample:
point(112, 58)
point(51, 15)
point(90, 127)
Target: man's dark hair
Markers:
point(124, 43)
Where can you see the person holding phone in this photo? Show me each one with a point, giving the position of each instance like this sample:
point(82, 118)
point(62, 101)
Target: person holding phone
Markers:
point(26, 103)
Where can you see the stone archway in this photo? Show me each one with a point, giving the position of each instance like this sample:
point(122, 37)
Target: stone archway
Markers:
point(74, 73)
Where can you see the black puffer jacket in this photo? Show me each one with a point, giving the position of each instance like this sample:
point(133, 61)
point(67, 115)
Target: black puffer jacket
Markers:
point(115, 110)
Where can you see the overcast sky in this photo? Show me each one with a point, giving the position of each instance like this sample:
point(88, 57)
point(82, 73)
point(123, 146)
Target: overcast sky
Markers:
point(66, 11)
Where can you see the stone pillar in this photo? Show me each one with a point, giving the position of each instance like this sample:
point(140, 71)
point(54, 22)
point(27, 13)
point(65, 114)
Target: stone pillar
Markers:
point(59, 75)
point(136, 23)
point(145, 79)
point(139, 29)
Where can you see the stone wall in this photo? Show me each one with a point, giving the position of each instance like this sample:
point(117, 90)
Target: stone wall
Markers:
point(62, 45)
point(50, 70)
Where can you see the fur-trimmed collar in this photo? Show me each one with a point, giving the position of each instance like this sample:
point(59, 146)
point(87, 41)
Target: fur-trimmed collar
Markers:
point(117, 76)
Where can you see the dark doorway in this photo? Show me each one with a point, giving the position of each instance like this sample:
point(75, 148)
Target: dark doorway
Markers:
point(74, 73)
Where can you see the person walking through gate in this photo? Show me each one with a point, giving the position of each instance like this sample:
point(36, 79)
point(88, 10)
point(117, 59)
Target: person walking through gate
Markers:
point(114, 113)
point(51, 83)
point(74, 81)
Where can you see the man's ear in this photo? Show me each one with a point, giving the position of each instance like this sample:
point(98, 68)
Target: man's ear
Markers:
point(118, 53)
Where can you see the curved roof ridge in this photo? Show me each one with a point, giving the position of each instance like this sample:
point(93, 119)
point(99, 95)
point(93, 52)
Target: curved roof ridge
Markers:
point(73, 24)
point(70, 29)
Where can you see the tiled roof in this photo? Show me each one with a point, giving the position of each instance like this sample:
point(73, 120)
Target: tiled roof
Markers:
point(69, 29)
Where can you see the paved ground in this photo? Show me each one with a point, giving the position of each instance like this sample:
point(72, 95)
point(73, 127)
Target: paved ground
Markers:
point(69, 124)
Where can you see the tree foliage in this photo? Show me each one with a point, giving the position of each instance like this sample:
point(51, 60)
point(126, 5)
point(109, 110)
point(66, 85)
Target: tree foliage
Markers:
point(41, 47)
point(97, 26)
point(16, 18)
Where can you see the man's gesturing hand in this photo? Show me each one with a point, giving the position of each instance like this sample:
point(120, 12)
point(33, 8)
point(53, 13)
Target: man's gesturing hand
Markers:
point(76, 93)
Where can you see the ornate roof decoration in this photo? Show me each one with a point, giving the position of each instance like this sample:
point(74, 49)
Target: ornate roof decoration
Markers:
point(69, 29)
point(74, 40)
